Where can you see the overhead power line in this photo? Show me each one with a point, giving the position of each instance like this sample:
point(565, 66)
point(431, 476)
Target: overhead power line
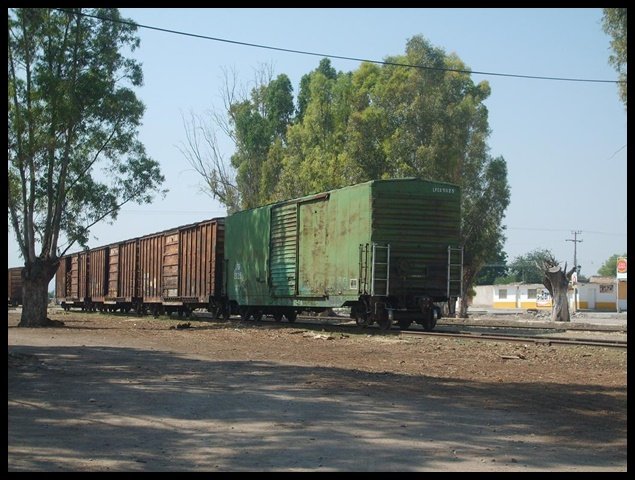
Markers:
point(613, 234)
point(617, 151)
point(341, 57)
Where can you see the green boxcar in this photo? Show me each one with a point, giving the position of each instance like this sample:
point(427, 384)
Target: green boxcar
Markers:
point(388, 249)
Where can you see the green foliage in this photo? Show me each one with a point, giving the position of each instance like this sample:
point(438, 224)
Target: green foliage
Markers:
point(615, 24)
point(304, 95)
point(74, 158)
point(260, 123)
point(505, 280)
point(528, 268)
point(495, 268)
point(314, 158)
point(609, 268)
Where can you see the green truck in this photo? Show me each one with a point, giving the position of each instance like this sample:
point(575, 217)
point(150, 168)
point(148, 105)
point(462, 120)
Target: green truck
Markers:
point(387, 249)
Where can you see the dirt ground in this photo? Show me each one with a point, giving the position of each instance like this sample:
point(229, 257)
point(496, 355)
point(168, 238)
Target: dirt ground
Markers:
point(127, 393)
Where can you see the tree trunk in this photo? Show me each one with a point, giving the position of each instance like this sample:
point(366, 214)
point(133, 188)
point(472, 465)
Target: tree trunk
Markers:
point(35, 279)
point(469, 273)
point(463, 304)
point(558, 290)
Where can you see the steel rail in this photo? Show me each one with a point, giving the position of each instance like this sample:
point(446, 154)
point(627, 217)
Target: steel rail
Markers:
point(525, 339)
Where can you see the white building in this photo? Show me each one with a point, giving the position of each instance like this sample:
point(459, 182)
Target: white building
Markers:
point(599, 294)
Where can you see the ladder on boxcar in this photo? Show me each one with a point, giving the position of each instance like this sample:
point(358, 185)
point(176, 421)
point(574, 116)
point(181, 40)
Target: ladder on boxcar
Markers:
point(379, 283)
point(455, 272)
point(380, 270)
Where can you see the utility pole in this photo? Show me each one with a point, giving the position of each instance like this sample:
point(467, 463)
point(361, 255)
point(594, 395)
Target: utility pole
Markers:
point(575, 241)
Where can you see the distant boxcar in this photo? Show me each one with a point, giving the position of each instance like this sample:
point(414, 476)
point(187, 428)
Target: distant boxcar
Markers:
point(199, 267)
point(71, 281)
point(14, 283)
point(180, 269)
point(151, 253)
point(97, 278)
point(176, 270)
point(388, 249)
point(123, 276)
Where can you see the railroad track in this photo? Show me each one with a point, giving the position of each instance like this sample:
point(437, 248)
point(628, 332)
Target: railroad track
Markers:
point(561, 327)
point(544, 340)
point(445, 323)
point(312, 322)
point(344, 324)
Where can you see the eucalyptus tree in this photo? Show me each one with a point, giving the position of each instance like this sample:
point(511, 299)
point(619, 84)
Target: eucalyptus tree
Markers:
point(256, 122)
point(428, 119)
point(312, 160)
point(615, 24)
point(304, 94)
point(259, 123)
point(74, 156)
point(495, 269)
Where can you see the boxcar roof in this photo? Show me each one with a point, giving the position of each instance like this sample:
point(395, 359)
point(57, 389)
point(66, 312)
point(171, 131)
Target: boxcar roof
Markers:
point(356, 185)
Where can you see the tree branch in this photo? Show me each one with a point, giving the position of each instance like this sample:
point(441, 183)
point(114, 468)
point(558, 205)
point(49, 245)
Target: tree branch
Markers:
point(49, 241)
point(101, 217)
point(20, 235)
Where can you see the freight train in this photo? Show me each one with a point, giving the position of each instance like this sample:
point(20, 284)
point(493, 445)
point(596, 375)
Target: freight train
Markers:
point(389, 250)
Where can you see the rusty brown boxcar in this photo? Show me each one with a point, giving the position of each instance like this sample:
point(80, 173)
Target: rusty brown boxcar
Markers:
point(97, 278)
point(176, 270)
point(151, 252)
point(15, 286)
point(71, 283)
point(123, 276)
point(180, 269)
point(197, 259)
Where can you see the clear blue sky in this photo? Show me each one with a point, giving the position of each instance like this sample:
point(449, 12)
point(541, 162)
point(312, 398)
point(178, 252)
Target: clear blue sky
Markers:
point(564, 142)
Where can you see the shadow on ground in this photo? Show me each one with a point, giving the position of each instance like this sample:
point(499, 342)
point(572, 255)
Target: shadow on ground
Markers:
point(123, 409)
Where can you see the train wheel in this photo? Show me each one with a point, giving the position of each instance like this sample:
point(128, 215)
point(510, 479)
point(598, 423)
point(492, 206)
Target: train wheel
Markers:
point(404, 324)
point(258, 315)
point(291, 315)
point(277, 316)
point(215, 311)
point(245, 313)
point(363, 319)
point(384, 324)
point(361, 312)
point(383, 320)
point(429, 320)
